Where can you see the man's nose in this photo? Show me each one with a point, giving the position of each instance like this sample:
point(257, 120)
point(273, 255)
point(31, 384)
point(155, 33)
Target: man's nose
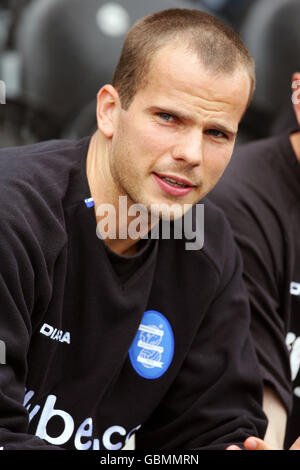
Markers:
point(189, 148)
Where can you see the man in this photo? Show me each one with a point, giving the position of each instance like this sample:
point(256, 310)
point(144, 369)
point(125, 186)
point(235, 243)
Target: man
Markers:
point(112, 333)
point(260, 193)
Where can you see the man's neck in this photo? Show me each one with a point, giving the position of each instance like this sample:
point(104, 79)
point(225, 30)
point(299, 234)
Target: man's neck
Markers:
point(295, 142)
point(103, 191)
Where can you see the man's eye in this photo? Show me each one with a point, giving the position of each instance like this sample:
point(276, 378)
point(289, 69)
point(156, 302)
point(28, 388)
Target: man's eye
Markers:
point(166, 117)
point(216, 133)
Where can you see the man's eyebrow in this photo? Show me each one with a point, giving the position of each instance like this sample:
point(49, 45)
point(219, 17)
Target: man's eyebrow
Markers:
point(215, 125)
point(173, 112)
point(223, 128)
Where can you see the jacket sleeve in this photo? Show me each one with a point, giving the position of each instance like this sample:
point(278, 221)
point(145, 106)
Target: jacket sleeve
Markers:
point(21, 293)
point(262, 239)
point(216, 398)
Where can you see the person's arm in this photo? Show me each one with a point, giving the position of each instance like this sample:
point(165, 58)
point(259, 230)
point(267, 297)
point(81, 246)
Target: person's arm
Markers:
point(24, 289)
point(277, 418)
point(262, 242)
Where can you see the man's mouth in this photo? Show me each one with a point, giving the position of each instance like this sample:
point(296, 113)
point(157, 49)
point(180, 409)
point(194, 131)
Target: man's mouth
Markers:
point(173, 185)
point(175, 181)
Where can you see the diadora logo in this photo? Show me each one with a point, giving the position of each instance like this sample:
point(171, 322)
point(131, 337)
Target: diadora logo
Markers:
point(152, 350)
point(295, 288)
point(54, 333)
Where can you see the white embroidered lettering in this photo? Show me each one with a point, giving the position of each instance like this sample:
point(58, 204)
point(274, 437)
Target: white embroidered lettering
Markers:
point(56, 334)
point(47, 413)
point(85, 429)
point(107, 435)
point(295, 288)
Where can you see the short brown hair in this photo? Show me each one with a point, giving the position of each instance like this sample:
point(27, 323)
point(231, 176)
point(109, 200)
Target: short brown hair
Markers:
point(218, 47)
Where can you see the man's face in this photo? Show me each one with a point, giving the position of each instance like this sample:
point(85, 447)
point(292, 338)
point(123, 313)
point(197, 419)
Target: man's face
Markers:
point(176, 138)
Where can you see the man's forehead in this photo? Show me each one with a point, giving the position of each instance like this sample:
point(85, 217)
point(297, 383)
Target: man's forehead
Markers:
point(179, 69)
point(173, 52)
point(181, 62)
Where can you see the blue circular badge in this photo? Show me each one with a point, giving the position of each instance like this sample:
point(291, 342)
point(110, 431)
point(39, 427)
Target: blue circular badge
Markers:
point(152, 349)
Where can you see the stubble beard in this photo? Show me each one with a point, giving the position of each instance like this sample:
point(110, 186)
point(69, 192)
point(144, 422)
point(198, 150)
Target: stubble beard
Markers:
point(127, 183)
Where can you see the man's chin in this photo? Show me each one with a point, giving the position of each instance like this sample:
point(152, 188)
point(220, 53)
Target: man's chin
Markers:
point(157, 209)
point(166, 211)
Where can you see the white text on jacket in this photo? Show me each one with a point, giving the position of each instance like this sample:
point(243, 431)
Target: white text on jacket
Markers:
point(84, 431)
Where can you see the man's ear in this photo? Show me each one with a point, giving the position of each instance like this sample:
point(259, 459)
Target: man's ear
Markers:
point(108, 104)
point(296, 94)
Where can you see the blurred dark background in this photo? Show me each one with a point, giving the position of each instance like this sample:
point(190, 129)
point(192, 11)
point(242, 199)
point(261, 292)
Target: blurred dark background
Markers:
point(56, 54)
